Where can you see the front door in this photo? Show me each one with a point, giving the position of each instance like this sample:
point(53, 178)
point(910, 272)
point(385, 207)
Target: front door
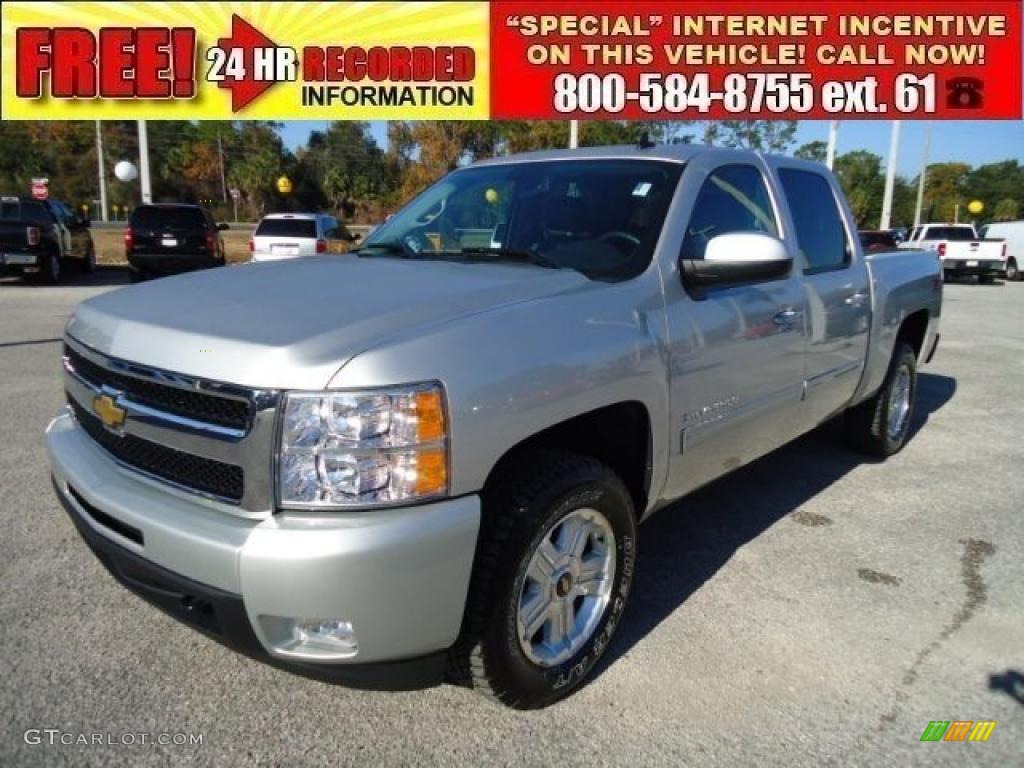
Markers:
point(736, 351)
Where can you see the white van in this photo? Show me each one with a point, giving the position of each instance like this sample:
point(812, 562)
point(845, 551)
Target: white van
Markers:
point(1013, 233)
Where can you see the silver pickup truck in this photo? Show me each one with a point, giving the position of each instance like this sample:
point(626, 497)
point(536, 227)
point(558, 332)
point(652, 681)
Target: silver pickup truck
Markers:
point(430, 456)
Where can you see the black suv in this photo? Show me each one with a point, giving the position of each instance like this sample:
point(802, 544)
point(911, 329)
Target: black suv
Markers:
point(166, 239)
point(40, 237)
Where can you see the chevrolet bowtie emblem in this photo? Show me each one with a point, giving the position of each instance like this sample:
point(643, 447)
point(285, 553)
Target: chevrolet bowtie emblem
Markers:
point(109, 412)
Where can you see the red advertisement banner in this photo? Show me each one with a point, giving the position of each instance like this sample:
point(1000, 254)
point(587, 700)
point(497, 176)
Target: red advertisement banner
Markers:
point(785, 59)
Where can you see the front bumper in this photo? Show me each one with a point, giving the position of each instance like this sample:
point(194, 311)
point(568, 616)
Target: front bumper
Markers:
point(399, 576)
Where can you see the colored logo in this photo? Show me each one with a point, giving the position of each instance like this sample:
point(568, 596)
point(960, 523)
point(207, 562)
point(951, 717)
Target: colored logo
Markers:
point(109, 412)
point(958, 730)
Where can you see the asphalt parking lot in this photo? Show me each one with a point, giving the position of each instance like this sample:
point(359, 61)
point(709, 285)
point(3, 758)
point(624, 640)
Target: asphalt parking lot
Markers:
point(811, 609)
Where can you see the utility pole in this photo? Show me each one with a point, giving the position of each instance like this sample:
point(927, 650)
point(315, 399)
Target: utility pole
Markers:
point(922, 178)
point(890, 176)
point(574, 134)
point(101, 171)
point(833, 137)
point(147, 191)
point(223, 181)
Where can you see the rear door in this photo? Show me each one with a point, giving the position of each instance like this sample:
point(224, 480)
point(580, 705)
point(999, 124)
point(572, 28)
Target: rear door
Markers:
point(836, 287)
point(736, 350)
point(170, 230)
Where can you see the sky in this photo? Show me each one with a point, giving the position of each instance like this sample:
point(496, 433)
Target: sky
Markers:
point(974, 142)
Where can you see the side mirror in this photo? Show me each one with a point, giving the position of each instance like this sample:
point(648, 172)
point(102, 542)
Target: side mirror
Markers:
point(223, 225)
point(737, 257)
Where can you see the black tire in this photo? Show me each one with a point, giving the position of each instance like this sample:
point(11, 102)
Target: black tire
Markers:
point(947, 276)
point(51, 269)
point(867, 424)
point(986, 279)
point(88, 263)
point(1012, 273)
point(136, 276)
point(522, 508)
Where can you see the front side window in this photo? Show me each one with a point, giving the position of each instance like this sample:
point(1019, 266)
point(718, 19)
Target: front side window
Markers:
point(820, 235)
point(734, 198)
point(599, 217)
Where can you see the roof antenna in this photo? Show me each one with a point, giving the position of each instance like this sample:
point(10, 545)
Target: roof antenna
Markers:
point(645, 140)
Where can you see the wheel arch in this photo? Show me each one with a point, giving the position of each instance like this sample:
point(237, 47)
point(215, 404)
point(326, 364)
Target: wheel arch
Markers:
point(618, 435)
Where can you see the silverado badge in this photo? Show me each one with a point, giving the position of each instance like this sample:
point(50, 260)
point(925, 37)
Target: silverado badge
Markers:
point(109, 412)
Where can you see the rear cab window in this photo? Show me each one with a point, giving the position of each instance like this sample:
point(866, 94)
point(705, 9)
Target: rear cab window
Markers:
point(157, 217)
point(28, 211)
point(820, 233)
point(956, 234)
point(303, 228)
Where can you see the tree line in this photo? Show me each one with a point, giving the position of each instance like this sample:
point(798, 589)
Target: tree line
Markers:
point(343, 169)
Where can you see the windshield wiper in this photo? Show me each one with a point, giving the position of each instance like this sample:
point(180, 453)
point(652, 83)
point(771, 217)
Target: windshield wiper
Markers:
point(511, 254)
point(395, 247)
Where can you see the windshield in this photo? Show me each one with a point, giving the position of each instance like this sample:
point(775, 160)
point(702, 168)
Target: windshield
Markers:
point(599, 217)
point(287, 228)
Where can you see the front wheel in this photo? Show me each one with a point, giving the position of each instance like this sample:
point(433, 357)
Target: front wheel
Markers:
point(880, 424)
point(89, 262)
point(550, 582)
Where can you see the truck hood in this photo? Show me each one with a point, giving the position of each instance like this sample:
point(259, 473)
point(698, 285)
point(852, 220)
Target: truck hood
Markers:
point(293, 324)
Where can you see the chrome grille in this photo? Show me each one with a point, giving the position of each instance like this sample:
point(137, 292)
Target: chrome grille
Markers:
point(223, 411)
point(199, 436)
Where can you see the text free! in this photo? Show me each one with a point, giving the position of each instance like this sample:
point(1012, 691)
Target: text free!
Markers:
point(159, 63)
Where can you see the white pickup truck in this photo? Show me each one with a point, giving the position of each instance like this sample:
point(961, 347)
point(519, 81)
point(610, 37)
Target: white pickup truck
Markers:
point(962, 251)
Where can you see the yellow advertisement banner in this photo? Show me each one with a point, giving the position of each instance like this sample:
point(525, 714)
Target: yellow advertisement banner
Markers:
point(219, 60)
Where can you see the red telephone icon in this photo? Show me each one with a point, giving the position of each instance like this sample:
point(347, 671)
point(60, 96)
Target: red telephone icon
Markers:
point(964, 93)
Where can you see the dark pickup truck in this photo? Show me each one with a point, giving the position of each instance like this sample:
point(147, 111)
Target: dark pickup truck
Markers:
point(38, 237)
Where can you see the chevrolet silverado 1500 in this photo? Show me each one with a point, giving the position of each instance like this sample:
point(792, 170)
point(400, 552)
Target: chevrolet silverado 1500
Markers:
point(431, 455)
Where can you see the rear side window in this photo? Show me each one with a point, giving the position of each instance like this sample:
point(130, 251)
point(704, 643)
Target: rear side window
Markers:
point(152, 217)
point(734, 198)
point(305, 228)
point(820, 235)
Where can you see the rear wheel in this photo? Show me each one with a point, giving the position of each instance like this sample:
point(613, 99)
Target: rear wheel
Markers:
point(550, 582)
point(879, 425)
point(1012, 273)
point(50, 272)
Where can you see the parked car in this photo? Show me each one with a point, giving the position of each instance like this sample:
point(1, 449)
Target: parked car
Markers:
point(1012, 232)
point(41, 237)
point(434, 456)
point(873, 241)
point(291, 235)
point(169, 238)
point(962, 251)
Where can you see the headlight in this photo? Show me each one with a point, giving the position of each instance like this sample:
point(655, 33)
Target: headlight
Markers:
point(354, 449)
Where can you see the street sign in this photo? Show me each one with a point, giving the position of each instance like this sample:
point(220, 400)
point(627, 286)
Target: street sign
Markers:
point(235, 193)
point(40, 189)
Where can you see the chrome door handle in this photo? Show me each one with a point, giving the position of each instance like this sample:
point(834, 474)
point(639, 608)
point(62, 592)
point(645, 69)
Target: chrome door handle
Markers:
point(787, 317)
point(855, 299)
